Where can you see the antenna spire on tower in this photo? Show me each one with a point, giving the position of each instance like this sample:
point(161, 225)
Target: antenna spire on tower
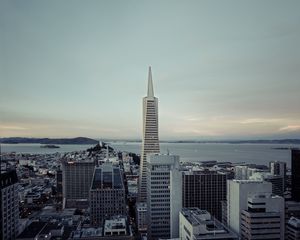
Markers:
point(150, 84)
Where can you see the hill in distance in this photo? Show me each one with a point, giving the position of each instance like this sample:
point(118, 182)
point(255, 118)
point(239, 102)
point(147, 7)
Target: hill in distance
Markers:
point(77, 140)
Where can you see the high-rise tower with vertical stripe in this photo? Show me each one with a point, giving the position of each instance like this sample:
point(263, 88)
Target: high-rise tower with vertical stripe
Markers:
point(150, 142)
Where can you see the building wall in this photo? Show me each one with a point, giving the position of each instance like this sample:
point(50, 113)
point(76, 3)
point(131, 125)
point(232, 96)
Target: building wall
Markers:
point(296, 175)
point(264, 218)
point(150, 140)
point(77, 178)
point(107, 194)
point(9, 205)
point(141, 217)
point(237, 195)
point(158, 194)
point(105, 203)
point(205, 190)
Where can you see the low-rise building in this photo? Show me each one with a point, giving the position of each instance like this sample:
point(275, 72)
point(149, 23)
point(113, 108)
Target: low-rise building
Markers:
point(198, 224)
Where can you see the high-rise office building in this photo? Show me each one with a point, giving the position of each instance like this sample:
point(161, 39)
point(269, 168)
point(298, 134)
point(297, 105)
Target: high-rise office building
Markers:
point(278, 168)
point(199, 224)
point(263, 218)
point(150, 140)
point(161, 213)
point(9, 206)
point(296, 175)
point(237, 199)
point(107, 193)
point(205, 190)
point(76, 179)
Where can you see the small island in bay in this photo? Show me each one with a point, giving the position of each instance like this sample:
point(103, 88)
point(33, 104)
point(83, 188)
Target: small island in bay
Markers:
point(49, 146)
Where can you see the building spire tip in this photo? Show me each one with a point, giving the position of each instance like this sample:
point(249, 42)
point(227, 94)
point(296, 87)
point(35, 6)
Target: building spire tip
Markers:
point(150, 84)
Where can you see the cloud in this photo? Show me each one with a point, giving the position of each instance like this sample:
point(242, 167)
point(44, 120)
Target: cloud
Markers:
point(260, 120)
point(290, 128)
point(13, 128)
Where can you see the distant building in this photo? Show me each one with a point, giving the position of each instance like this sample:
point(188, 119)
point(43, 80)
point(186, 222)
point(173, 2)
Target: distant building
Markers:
point(296, 175)
point(276, 180)
point(278, 168)
point(59, 187)
point(161, 214)
point(76, 179)
point(107, 193)
point(293, 229)
point(198, 224)
point(205, 190)
point(241, 172)
point(9, 205)
point(237, 199)
point(263, 218)
point(150, 140)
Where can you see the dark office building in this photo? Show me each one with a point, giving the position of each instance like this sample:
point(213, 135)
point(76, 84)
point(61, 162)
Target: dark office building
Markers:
point(76, 182)
point(107, 194)
point(9, 206)
point(296, 175)
point(205, 190)
point(59, 187)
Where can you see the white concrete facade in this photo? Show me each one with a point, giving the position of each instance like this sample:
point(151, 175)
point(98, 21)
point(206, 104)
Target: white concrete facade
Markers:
point(237, 196)
point(161, 214)
point(264, 217)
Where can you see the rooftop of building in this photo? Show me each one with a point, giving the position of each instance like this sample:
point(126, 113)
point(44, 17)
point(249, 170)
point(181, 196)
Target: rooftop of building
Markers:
point(263, 196)
point(141, 205)
point(117, 222)
point(246, 181)
point(87, 232)
point(213, 228)
point(107, 176)
point(196, 216)
point(8, 178)
point(203, 171)
point(295, 222)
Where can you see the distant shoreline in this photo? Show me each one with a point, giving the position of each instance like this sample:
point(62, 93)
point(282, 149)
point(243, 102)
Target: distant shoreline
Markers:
point(45, 141)
point(83, 140)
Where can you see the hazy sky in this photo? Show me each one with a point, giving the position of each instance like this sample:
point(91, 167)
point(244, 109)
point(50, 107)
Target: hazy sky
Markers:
point(221, 69)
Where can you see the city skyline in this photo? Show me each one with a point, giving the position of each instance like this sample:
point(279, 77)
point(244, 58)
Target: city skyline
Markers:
point(222, 71)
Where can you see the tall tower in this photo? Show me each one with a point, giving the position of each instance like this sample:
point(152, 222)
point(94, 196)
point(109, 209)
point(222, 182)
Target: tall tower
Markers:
point(150, 140)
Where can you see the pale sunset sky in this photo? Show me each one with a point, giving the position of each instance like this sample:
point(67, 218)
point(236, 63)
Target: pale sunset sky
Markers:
point(221, 69)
